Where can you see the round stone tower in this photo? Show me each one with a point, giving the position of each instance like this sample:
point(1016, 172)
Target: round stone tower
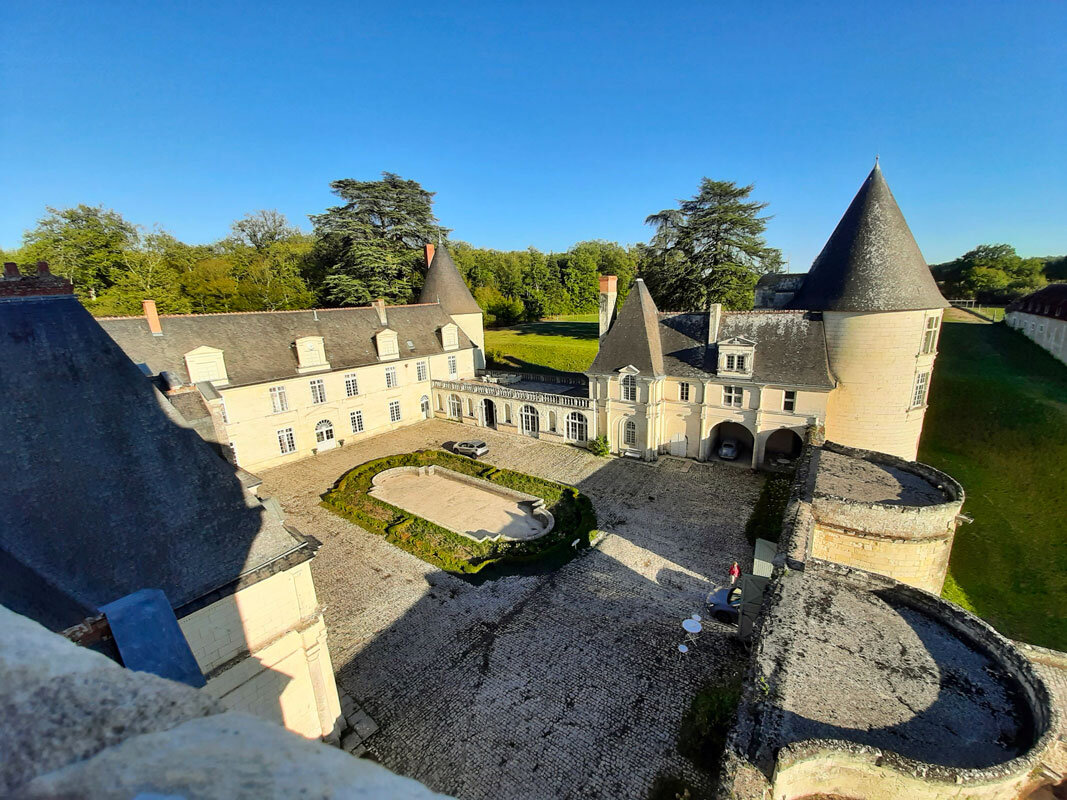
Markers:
point(882, 315)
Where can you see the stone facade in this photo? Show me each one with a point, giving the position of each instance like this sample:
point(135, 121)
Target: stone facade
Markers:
point(878, 359)
point(263, 650)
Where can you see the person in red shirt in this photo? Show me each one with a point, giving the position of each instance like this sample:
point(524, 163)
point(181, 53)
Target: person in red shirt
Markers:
point(735, 573)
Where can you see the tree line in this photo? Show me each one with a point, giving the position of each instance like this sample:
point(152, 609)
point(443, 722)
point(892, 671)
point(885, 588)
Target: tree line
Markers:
point(995, 274)
point(710, 248)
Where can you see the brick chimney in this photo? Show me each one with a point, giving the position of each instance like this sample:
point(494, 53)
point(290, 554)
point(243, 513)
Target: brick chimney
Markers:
point(379, 306)
point(429, 253)
point(43, 283)
point(152, 317)
point(609, 291)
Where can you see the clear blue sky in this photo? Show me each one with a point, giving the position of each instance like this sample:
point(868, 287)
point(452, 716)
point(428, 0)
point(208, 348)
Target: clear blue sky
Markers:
point(541, 123)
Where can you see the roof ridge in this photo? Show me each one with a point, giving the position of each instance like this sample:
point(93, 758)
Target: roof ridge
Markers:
point(277, 311)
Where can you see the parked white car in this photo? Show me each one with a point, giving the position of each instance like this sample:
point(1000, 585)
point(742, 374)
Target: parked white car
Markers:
point(473, 448)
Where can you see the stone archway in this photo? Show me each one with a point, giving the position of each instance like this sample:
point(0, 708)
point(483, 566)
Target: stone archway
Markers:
point(732, 432)
point(489, 413)
point(782, 448)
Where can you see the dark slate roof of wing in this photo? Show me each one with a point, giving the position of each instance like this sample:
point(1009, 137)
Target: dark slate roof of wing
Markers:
point(634, 337)
point(446, 286)
point(257, 347)
point(1048, 302)
point(871, 262)
point(790, 347)
point(105, 490)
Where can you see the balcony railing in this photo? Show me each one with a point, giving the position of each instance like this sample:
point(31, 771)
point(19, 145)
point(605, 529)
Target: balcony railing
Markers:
point(493, 390)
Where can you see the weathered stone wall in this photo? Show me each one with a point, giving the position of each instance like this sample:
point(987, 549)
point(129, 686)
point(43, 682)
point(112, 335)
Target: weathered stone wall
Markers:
point(1045, 332)
point(921, 563)
point(875, 357)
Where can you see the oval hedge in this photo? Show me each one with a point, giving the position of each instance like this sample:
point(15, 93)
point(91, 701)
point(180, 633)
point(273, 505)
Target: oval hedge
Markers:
point(573, 512)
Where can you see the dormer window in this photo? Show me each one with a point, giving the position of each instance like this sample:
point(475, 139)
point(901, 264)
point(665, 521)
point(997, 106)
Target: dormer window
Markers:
point(206, 364)
point(736, 356)
point(310, 354)
point(629, 388)
point(386, 343)
point(450, 336)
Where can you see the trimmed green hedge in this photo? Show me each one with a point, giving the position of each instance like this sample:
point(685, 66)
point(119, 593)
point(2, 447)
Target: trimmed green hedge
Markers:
point(572, 510)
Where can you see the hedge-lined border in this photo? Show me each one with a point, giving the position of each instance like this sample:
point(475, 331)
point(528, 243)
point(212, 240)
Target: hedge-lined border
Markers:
point(572, 510)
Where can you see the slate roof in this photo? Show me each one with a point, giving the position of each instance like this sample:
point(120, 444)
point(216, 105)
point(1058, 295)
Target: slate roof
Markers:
point(106, 491)
point(446, 286)
point(634, 337)
point(1048, 302)
point(790, 346)
point(871, 261)
point(257, 347)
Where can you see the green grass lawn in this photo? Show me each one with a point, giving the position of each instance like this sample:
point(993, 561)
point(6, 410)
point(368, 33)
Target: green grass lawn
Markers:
point(543, 346)
point(997, 422)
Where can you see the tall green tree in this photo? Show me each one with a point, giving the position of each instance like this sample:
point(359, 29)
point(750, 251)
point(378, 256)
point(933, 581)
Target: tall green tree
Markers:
point(370, 245)
point(86, 244)
point(263, 228)
point(991, 273)
point(710, 249)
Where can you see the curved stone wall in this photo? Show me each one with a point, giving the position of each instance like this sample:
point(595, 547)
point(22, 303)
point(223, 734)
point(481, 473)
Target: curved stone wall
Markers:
point(910, 542)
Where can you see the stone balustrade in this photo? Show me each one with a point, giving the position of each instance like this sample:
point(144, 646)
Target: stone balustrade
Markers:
point(495, 390)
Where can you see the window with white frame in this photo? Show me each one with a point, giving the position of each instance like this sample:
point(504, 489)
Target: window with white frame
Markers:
point(732, 395)
point(324, 431)
point(356, 418)
point(629, 433)
point(318, 392)
point(394, 411)
point(736, 363)
point(577, 427)
point(789, 400)
point(278, 401)
point(452, 371)
point(918, 395)
point(455, 406)
point(286, 441)
point(930, 335)
point(629, 388)
point(683, 392)
point(351, 385)
point(390, 377)
point(422, 371)
point(470, 407)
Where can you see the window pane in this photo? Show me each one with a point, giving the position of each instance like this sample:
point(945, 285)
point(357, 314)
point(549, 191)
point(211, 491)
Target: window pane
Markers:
point(351, 385)
point(356, 418)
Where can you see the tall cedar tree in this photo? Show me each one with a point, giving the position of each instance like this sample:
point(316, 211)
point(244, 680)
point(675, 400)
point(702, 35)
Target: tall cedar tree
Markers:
point(370, 246)
point(709, 250)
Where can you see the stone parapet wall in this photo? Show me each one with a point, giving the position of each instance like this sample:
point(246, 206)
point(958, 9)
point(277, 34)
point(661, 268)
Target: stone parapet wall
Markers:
point(922, 563)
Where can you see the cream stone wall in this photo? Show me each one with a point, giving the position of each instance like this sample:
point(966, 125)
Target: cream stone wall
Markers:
point(875, 357)
point(471, 324)
point(552, 417)
point(263, 650)
point(253, 426)
point(661, 416)
point(920, 562)
point(1049, 333)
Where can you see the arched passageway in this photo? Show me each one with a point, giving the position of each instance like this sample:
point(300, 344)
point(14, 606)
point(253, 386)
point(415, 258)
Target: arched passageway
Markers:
point(731, 441)
point(489, 413)
point(783, 448)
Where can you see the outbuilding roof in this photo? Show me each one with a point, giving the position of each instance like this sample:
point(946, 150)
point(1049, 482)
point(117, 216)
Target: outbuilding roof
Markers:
point(258, 347)
point(1048, 302)
point(871, 261)
point(106, 491)
point(446, 286)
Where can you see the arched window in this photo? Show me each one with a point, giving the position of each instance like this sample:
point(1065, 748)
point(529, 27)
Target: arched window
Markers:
point(552, 421)
point(424, 404)
point(629, 388)
point(629, 433)
point(577, 427)
point(324, 431)
point(470, 406)
point(528, 421)
point(455, 406)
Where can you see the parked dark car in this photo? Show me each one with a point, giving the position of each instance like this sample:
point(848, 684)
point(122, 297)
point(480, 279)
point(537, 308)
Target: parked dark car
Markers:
point(728, 449)
point(473, 448)
point(725, 604)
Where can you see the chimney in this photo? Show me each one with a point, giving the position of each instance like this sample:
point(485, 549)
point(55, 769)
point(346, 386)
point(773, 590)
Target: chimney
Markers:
point(379, 306)
point(152, 317)
point(609, 291)
point(429, 253)
point(714, 321)
point(43, 283)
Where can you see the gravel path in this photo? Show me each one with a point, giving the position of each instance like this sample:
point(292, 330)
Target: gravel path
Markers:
point(565, 685)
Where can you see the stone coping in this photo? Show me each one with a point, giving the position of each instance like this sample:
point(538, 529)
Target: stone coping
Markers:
point(755, 737)
point(536, 504)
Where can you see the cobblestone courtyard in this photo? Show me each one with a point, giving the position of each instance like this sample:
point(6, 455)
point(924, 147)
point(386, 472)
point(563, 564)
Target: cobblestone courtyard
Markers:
point(563, 685)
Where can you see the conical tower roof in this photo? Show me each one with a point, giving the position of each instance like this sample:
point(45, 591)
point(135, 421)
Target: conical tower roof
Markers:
point(446, 286)
point(634, 336)
point(871, 262)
